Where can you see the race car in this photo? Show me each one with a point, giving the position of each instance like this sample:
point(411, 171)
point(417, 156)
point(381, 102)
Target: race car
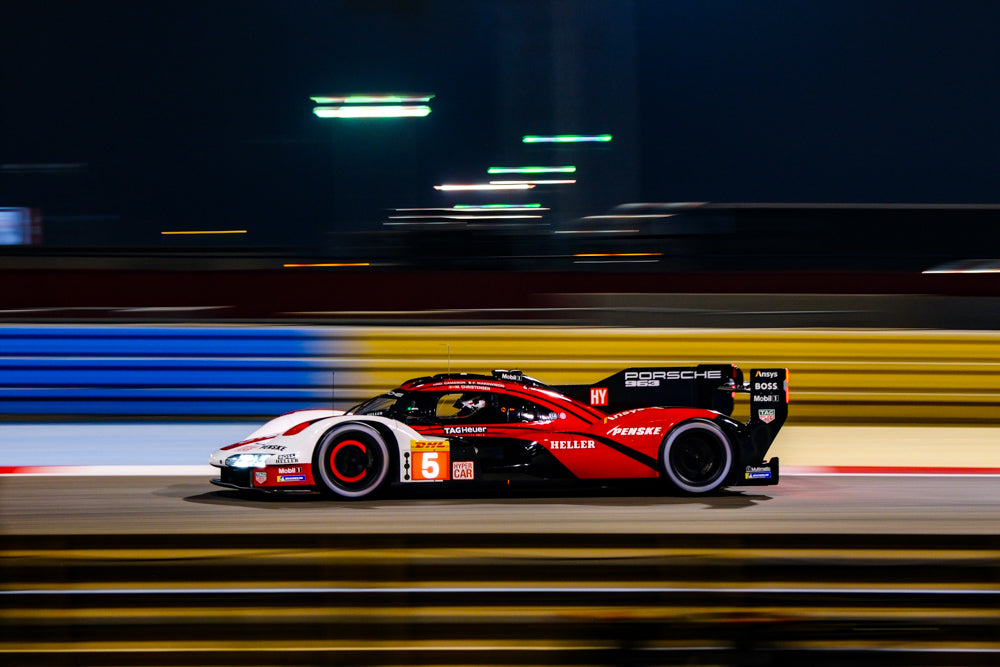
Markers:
point(668, 423)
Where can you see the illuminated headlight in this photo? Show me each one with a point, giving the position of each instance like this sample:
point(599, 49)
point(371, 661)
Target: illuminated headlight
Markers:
point(247, 460)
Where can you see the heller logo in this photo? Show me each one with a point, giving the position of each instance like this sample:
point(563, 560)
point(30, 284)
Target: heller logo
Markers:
point(766, 416)
point(571, 444)
point(598, 395)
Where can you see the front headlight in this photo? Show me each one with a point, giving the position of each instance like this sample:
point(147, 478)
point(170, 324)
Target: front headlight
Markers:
point(247, 460)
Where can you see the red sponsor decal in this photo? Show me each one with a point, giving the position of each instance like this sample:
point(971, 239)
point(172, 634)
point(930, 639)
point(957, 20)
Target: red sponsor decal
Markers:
point(462, 470)
point(598, 395)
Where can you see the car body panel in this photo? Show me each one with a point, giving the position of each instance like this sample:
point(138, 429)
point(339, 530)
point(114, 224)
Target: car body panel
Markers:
point(505, 427)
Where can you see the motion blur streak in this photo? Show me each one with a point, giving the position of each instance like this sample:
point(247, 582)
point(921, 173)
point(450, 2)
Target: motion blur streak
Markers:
point(526, 599)
point(563, 181)
point(388, 111)
point(566, 138)
point(207, 231)
point(300, 266)
point(388, 98)
point(569, 169)
point(518, 185)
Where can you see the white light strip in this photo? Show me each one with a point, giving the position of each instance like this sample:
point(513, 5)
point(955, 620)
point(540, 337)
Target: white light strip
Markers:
point(367, 111)
point(562, 181)
point(486, 186)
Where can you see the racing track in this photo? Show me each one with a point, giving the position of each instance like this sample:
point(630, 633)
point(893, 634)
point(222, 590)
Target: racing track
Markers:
point(820, 570)
point(61, 505)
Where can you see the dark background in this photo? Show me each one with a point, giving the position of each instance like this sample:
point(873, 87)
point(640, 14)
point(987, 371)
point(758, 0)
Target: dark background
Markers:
point(196, 115)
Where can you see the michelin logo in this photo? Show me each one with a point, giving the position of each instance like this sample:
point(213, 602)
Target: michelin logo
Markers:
point(755, 472)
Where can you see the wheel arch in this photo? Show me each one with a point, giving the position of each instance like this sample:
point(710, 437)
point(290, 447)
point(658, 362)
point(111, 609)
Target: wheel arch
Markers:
point(723, 434)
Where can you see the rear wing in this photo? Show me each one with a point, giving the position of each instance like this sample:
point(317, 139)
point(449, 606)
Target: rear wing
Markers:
point(674, 386)
point(768, 389)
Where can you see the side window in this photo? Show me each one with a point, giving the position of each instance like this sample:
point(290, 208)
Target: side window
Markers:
point(520, 411)
point(470, 407)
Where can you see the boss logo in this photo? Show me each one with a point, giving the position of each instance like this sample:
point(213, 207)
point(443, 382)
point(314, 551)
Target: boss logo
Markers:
point(765, 386)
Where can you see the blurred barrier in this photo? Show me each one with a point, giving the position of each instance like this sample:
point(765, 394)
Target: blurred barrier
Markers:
point(837, 376)
point(133, 372)
point(500, 599)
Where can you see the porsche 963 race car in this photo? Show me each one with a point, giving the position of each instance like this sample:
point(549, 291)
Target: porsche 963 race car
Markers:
point(667, 423)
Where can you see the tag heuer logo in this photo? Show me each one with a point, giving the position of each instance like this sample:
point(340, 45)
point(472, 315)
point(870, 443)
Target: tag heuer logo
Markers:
point(260, 476)
point(766, 416)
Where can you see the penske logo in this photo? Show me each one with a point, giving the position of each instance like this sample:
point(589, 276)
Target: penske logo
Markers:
point(636, 430)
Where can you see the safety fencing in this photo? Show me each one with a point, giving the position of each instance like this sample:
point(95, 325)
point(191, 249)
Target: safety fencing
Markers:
point(836, 376)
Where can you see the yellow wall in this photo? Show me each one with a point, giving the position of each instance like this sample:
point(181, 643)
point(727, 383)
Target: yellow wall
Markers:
point(837, 376)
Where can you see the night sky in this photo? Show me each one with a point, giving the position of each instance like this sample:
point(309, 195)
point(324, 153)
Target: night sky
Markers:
point(188, 115)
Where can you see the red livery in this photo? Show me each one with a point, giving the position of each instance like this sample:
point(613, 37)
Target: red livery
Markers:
point(666, 423)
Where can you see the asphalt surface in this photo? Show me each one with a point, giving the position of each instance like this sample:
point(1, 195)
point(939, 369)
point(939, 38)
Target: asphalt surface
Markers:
point(898, 504)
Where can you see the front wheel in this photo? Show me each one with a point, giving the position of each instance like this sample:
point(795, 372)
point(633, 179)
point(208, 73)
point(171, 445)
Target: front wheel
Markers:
point(352, 460)
point(696, 456)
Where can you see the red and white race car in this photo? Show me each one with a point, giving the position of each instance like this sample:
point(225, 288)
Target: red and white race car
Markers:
point(668, 423)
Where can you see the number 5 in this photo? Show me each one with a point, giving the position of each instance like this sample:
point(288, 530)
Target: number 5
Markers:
point(429, 467)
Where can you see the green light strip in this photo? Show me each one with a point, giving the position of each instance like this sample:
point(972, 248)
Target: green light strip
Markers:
point(565, 138)
point(358, 111)
point(388, 98)
point(532, 170)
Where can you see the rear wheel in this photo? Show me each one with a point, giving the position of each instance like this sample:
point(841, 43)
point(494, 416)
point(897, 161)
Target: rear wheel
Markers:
point(352, 460)
point(696, 456)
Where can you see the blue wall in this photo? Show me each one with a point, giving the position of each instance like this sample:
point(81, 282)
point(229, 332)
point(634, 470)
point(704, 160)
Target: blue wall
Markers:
point(161, 371)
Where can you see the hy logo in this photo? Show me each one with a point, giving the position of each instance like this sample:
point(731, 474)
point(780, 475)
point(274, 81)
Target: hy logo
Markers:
point(598, 395)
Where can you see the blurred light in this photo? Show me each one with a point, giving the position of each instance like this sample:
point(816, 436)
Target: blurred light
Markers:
point(368, 111)
point(486, 186)
point(208, 231)
point(596, 231)
point(484, 207)
point(567, 181)
point(247, 460)
point(623, 217)
point(299, 266)
point(461, 217)
point(619, 254)
point(565, 138)
point(532, 170)
point(387, 98)
point(968, 266)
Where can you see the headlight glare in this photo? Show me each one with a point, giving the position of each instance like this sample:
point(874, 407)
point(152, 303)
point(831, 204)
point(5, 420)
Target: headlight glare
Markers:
point(247, 460)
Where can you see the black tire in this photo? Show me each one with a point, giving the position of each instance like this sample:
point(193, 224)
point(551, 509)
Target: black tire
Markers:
point(696, 456)
point(351, 461)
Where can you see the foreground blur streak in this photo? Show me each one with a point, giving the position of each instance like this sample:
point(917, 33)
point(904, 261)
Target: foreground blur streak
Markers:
point(500, 599)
